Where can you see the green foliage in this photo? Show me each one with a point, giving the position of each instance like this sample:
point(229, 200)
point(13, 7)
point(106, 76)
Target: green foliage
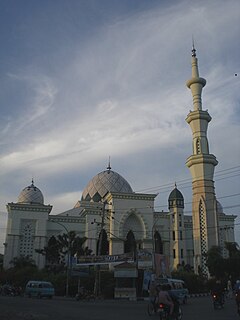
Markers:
point(107, 284)
point(23, 262)
point(58, 247)
point(215, 262)
point(51, 251)
point(223, 268)
point(194, 282)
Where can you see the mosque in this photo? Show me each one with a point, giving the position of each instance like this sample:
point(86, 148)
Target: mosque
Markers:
point(128, 219)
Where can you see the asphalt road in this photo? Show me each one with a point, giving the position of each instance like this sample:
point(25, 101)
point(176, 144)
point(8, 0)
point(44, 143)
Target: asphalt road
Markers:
point(22, 308)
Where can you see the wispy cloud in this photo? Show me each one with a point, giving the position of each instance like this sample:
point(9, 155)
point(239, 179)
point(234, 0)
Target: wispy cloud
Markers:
point(121, 91)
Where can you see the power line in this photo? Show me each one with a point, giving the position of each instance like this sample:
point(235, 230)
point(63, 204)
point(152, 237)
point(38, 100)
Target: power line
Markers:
point(189, 180)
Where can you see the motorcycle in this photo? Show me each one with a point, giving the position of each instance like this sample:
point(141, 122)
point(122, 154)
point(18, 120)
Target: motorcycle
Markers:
point(164, 312)
point(218, 302)
point(237, 296)
point(86, 295)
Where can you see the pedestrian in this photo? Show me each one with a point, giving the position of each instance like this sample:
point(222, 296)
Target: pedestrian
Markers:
point(229, 289)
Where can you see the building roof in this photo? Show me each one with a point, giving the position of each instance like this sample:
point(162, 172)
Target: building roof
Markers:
point(104, 182)
point(31, 195)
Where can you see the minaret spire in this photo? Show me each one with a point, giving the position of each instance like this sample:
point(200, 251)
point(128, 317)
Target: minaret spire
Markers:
point(196, 83)
point(193, 48)
point(109, 165)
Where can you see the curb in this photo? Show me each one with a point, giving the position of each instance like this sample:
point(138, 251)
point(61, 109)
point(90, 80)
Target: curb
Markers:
point(197, 295)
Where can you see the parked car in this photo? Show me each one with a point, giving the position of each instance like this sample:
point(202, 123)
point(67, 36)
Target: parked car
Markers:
point(39, 289)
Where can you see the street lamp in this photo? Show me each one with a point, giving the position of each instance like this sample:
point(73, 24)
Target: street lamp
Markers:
point(68, 255)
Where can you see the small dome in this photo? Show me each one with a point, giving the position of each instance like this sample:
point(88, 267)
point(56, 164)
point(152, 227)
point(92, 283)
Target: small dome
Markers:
point(31, 194)
point(175, 199)
point(104, 182)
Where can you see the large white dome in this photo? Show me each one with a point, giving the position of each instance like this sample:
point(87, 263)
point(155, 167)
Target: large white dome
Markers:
point(31, 194)
point(104, 182)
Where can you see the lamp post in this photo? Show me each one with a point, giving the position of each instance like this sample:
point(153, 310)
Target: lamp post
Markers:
point(68, 256)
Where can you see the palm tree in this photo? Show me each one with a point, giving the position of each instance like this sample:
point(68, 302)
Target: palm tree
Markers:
point(67, 244)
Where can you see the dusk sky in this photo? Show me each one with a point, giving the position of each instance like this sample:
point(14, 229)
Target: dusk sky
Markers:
point(82, 80)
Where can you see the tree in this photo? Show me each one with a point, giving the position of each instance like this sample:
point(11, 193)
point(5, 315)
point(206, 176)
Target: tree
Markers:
point(63, 245)
point(233, 262)
point(215, 262)
point(221, 267)
point(51, 251)
point(22, 262)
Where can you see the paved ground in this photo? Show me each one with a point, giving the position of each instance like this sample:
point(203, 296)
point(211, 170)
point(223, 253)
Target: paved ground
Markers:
point(21, 308)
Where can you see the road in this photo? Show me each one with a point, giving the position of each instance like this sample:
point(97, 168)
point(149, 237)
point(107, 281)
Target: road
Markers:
point(22, 308)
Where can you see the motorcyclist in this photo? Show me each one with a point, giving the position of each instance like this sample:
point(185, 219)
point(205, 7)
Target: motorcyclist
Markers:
point(237, 295)
point(152, 290)
point(164, 297)
point(174, 298)
point(218, 290)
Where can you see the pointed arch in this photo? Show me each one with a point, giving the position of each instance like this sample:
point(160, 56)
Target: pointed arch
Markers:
point(133, 222)
point(130, 242)
point(158, 244)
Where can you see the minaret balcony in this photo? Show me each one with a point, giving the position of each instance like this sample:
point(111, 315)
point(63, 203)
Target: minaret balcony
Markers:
point(196, 80)
point(198, 115)
point(200, 159)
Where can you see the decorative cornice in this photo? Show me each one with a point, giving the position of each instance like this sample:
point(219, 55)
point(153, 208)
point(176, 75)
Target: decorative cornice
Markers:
point(132, 196)
point(29, 207)
point(67, 219)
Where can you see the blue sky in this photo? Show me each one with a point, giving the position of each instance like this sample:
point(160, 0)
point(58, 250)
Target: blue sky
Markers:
point(82, 80)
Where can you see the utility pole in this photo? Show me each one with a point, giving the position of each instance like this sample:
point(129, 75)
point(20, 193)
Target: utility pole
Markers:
point(97, 275)
point(68, 256)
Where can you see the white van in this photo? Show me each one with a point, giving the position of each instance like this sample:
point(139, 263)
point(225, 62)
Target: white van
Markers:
point(39, 289)
point(178, 288)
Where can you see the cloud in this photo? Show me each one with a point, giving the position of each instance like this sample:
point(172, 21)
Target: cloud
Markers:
point(121, 91)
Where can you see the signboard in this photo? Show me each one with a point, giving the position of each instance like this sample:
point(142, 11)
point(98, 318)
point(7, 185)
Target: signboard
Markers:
point(107, 259)
point(144, 259)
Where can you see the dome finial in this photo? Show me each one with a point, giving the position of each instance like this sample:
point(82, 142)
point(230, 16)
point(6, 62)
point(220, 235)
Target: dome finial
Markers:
point(193, 48)
point(175, 185)
point(32, 182)
point(109, 166)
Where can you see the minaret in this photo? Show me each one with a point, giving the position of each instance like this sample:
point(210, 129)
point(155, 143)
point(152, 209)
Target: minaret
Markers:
point(177, 235)
point(201, 164)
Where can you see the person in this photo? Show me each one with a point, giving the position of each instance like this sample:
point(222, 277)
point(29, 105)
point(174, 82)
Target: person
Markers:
point(152, 290)
point(237, 295)
point(229, 289)
point(164, 297)
point(237, 286)
point(174, 298)
point(218, 290)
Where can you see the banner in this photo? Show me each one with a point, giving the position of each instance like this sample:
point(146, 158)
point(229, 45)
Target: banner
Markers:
point(146, 280)
point(161, 265)
point(107, 259)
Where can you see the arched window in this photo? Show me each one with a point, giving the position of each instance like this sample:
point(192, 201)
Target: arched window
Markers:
point(158, 244)
point(130, 243)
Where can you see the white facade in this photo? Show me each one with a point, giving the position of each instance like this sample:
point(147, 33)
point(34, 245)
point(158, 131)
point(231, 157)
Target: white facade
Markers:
point(30, 226)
